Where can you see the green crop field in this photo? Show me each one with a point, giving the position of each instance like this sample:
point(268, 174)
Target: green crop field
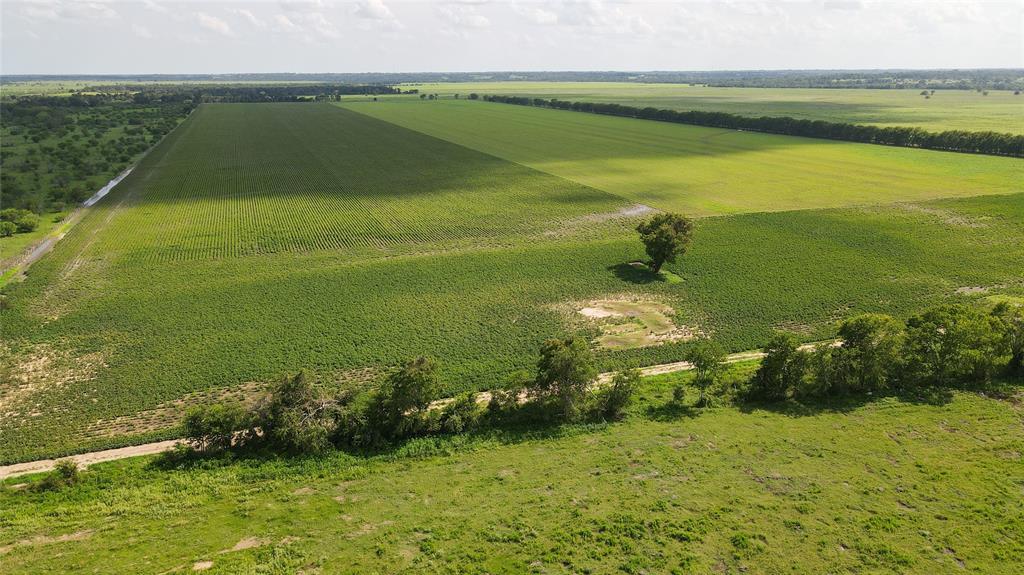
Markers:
point(261, 239)
point(697, 170)
point(882, 487)
point(996, 110)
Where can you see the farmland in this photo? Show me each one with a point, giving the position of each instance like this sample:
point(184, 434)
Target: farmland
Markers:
point(702, 171)
point(998, 110)
point(888, 487)
point(258, 240)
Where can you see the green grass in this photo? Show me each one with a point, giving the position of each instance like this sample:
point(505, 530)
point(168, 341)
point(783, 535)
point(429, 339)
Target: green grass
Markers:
point(697, 170)
point(883, 487)
point(206, 270)
point(11, 248)
point(999, 111)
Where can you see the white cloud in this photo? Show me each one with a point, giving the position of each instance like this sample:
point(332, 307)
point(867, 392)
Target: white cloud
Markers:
point(251, 18)
point(155, 7)
point(374, 10)
point(464, 16)
point(214, 24)
point(285, 23)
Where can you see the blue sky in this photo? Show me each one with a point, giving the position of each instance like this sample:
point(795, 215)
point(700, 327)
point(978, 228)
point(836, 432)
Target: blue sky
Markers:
point(97, 37)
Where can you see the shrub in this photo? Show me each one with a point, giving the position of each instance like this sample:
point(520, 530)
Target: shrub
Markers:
point(707, 357)
point(26, 222)
point(953, 344)
point(7, 229)
point(1011, 319)
point(461, 414)
point(398, 408)
point(65, 473)
point(869, 356)
point(782, 370)
point(217, 427)
point(296, 417)
point(614, 399)
point(565, 371)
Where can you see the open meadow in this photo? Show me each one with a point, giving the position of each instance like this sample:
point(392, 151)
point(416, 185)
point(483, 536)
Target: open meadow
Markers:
point(990, 110)
point(884, 487)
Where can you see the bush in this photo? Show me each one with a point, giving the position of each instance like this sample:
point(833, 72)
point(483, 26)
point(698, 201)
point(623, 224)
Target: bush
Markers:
point(398, 408)
point(461, 414)
point(7, 229)
point(64, 474)
point(565, 371)
point(613, 400)
point(782, 370)
point(27, 222)
point(707, 357)
point(219, 426)
point(953, 344)
point(868, 358)
point(296, 418)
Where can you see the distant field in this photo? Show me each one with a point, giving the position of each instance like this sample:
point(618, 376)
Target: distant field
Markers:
point(999, 110)
point(701, 171)
point(886, 487)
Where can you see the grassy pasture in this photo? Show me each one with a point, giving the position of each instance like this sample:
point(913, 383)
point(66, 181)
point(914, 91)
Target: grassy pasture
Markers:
point(698, 170)
point(999, 111)
point(883, 487)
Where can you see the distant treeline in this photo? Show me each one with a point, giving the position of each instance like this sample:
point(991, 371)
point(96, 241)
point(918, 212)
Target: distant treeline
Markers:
point(991, 79)
point(992, 143)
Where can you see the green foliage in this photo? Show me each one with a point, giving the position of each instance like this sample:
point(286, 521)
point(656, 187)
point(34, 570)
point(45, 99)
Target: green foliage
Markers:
point(7, 229)
point(869, 356)
point(218, 426)
point(65, 474)
point(1012, 319)
point(706, 356)
point(951, 344)
point(614, 399)
point(665, 238)
point(783, 369)
point(296, 417)
point(565, 370)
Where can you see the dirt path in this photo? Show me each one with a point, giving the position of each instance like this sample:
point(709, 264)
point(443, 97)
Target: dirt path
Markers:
point(86, 459)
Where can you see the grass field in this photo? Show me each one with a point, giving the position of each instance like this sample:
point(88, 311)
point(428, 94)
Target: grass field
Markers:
point(883, 487)
point(999, 110)
point(697, 170)
point(206, 271)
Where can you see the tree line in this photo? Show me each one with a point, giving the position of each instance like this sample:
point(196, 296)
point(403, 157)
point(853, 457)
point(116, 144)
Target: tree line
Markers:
point(947, 347)
point(992, 143)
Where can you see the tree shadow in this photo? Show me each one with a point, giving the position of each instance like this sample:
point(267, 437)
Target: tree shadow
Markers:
point(934, 396)
point(636, 274)
point(671, 411)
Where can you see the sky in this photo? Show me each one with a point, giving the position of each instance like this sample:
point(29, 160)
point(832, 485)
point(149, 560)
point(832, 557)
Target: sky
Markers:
point(193, 37)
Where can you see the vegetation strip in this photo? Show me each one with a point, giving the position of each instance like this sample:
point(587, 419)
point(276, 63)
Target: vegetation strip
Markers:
point(86, 459)
point(991, 143)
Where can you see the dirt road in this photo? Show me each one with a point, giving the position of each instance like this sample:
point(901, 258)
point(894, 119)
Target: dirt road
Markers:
point(86, 459)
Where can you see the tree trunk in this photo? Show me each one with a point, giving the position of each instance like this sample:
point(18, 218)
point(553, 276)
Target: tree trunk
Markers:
point(656, 266)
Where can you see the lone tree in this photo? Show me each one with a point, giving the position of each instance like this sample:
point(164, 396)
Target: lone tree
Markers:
point(665, 237)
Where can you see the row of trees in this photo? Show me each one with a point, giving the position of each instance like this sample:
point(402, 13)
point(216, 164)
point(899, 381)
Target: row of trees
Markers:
point(298, 416)
point(992, 143)
point(13, 220)
point(947, 346)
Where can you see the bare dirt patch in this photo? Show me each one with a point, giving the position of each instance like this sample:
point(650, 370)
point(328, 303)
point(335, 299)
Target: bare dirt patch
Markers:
point(948, 217)
point(41, 368)
point(628, 323)
point(46, 540)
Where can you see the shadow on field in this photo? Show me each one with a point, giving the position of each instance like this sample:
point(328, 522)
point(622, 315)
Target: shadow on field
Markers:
point(635, 274)
point(671, 411)
point(809, 407)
